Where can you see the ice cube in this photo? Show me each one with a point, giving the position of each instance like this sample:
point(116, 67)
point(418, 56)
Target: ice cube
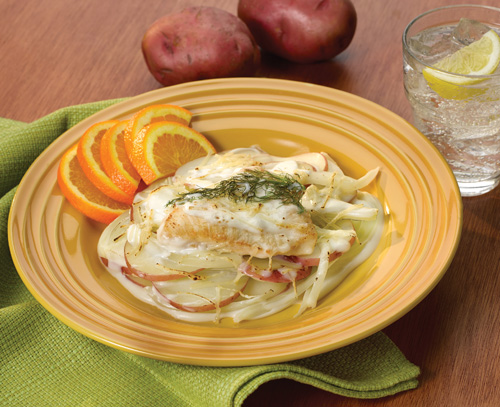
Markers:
point(467, 31)
point(433, 45)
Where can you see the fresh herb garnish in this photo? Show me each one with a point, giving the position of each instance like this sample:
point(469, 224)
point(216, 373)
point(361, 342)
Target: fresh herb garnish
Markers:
point(250, 186)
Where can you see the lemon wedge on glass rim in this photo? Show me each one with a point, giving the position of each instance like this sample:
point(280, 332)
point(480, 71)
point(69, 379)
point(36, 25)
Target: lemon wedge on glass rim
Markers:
point(479, 58)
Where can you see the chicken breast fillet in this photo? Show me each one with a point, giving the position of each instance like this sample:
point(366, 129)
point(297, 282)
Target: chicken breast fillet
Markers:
point(255, 229)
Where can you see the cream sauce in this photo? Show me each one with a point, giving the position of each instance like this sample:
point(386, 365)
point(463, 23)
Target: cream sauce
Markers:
point(266, 298)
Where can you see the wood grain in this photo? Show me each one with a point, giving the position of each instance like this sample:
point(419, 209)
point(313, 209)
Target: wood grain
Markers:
point(56, 53)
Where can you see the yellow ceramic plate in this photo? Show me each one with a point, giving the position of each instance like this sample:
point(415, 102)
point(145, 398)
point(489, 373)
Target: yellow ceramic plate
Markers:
point(54, 247)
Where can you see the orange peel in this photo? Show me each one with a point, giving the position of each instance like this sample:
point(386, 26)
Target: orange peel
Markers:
point(89, 157)
point(115, 159)
point(161, 148)
point(82, 194)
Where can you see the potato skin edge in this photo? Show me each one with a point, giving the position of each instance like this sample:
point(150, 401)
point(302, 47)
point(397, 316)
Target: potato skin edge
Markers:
point(298, 30)
point(199, 43)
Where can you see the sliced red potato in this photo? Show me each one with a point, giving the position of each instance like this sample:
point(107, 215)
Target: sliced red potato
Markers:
point(112, 265)
point(148, 261)
point(311, 260)
point(281, 270)
point(317, 160)
point(141, 282)
point(210, 290)
point(126, 272)
point(112, 241)
point(331, 165)
point(264, 289)
point(309, 161)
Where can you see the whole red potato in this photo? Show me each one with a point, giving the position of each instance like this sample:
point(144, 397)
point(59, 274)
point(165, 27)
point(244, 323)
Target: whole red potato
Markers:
point(302, 31)
point(199, 43)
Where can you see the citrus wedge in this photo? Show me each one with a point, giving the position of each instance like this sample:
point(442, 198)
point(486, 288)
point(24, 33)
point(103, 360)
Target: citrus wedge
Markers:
point(152, 114)
point(82, 194)
point(89, 157)
point(479, 58)
point(115, 159)
point(161, 148)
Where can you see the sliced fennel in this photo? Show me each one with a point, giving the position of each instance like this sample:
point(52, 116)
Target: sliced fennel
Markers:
point(194, 284)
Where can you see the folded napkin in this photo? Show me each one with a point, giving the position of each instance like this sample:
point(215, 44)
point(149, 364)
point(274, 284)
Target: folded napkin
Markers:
point(45, 363)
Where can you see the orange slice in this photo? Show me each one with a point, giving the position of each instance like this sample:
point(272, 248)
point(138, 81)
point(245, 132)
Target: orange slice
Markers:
point(82, 194)
point(115, 159)
point(161, 148)
point(152, 114)
point(89, 157)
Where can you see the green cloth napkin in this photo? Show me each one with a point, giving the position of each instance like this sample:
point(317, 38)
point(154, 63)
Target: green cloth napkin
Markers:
point(45, 363)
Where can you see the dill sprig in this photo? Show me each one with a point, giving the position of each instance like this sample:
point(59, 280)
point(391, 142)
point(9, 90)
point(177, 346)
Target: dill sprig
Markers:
point(252, 185)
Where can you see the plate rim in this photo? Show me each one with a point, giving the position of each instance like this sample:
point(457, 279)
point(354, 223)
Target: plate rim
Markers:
point(164, 92)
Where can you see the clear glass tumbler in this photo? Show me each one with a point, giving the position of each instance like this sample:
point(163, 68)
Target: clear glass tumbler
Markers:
point(459, 113)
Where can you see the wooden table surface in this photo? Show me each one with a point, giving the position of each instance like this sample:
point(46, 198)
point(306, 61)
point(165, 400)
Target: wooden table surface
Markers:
point(56, 53)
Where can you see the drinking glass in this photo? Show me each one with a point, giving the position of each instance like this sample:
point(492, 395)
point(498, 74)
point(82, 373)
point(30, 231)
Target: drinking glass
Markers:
point(460, 114)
